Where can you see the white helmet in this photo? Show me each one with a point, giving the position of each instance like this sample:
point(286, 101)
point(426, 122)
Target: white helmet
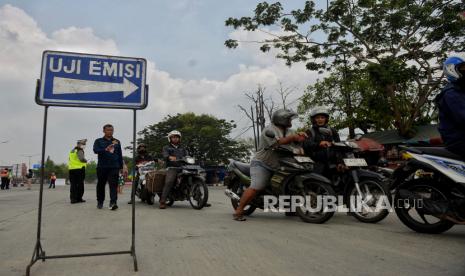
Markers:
point(319, 110)
point(173, 133)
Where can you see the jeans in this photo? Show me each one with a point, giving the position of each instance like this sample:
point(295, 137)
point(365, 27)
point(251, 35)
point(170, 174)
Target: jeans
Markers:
point(170, 180)
point(111, 175)
point(260, 176)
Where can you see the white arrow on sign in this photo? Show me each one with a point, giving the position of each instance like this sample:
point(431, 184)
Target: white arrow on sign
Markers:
point(74, 86)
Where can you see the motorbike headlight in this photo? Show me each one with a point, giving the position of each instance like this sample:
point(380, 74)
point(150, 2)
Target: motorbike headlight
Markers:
point(190, 160)
point(406, 156)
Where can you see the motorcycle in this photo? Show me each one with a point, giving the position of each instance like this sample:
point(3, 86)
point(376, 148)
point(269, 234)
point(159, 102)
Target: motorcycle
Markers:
point(142, 170)
point(294, 178)
point(353, 180)
point(190, 185)
point(430, 190)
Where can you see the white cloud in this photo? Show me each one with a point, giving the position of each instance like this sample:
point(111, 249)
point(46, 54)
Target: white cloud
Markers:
point(21, 45)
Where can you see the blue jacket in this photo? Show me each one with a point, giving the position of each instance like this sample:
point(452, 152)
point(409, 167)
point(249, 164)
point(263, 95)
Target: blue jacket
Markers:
point(451, 104)
point(107, 159)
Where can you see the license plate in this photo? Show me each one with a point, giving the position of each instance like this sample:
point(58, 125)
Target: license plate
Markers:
point(355, 162)
point(303, 159)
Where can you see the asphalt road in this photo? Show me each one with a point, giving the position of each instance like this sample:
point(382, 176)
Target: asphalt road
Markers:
point(184, 241)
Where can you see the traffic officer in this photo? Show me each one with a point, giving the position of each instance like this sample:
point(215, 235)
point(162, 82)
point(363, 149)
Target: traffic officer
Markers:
point(77, 171)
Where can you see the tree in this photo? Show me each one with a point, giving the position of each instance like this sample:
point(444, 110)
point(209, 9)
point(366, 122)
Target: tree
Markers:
point(351, 99)
point(205, 137)
point(261, 106)
point(400, 43)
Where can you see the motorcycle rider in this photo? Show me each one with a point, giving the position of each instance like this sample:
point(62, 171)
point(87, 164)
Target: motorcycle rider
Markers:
point(266, 159)
point(172, 153)
point(451, 104)
point(318, 143)
point(141, 158)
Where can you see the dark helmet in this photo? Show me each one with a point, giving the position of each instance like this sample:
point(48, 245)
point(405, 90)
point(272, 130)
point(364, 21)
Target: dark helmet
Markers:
point(283, 117)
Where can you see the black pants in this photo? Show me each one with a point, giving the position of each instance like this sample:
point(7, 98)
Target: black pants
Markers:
point(76, 180)
point(52, 184)
point(170, 180)
point(457, 148)
point(111, 175)
point(4, 183)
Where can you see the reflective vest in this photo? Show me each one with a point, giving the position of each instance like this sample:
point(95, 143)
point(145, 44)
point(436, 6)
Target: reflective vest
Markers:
point(74, 162)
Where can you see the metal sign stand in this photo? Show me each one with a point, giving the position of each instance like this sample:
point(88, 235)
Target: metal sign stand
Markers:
point(39, 252)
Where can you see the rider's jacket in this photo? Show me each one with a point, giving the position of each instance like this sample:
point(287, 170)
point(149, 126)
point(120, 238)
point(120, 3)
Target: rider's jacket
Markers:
point(451, 104)
point(171, 150)
point(312, 147)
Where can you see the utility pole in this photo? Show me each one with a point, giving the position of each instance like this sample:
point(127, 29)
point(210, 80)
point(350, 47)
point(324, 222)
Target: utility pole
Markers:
point(29, 156)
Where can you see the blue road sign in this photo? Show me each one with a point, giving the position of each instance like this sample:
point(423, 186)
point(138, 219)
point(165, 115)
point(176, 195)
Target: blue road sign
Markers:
point(85, 80)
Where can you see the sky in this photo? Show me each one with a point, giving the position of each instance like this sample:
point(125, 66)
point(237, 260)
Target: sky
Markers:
point(189, 68)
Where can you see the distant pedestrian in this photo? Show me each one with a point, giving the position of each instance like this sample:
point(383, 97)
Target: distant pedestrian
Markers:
point(53, 178)
point(4, 177)
point(10, 178)
point(29, 176)
point(109, 166)
point(77, 172)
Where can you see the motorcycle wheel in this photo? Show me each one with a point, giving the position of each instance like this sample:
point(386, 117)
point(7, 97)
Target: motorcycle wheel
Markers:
point(150, 198)
point(377, 190)
point(237, 189)
point(198, 194)
point(169, 202)
point(416, 219)
point(314, 189)
point(143, 194)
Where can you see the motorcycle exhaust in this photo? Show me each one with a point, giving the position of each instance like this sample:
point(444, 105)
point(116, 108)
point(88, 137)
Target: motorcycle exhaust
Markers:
point(232, 195)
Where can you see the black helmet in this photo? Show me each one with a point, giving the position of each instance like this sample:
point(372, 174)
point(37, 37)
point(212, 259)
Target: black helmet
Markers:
point(283, 117)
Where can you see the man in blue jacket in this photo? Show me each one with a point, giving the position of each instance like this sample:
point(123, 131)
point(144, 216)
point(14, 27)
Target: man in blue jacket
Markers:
point(110, 163)
point(451, 104)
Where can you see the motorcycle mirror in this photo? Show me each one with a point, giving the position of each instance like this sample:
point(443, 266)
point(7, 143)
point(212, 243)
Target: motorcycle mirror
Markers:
point(358, 137)
point(325, 131)
point(270, 134)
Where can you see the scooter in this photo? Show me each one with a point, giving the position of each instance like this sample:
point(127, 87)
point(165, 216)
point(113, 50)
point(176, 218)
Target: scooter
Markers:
point(430, 190)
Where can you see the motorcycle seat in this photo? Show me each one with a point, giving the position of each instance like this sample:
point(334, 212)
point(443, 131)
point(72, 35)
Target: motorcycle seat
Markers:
point(437, 151)
point(242, 167)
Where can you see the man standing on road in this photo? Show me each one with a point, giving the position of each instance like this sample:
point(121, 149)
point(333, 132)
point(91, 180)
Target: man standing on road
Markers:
point(110, 163)
point(77, 172)
point(4, 177)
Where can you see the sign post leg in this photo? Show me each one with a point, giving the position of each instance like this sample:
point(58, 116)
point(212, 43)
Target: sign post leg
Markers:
point(39, 253)
point(133, 193)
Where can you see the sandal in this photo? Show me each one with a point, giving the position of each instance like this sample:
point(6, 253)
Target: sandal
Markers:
point(238, 217)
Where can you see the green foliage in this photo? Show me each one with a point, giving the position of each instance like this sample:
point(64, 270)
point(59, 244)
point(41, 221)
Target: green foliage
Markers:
point(351, 99)
point(205, 137)
point(399, 43)
point(61, 170)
